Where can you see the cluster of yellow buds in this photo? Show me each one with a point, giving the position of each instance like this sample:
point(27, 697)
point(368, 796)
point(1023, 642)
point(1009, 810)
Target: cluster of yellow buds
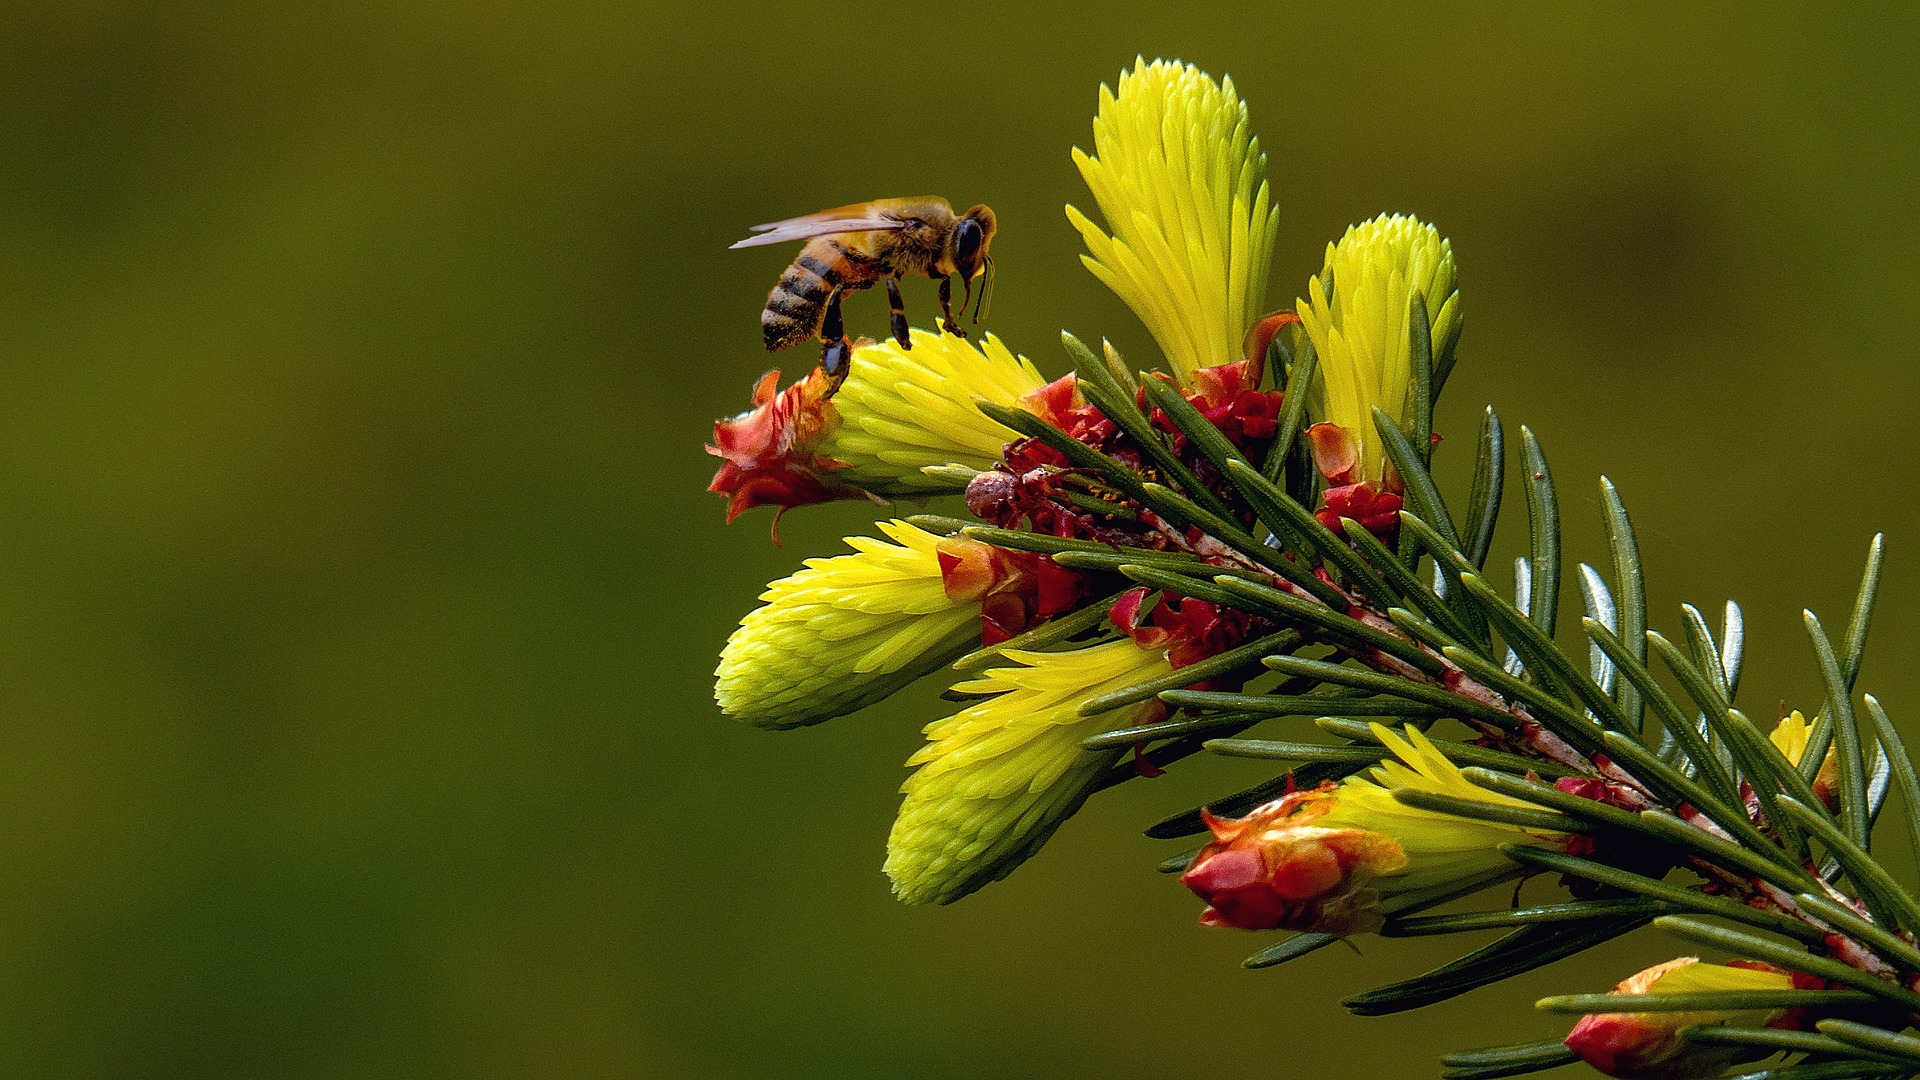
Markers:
point(1180, 181)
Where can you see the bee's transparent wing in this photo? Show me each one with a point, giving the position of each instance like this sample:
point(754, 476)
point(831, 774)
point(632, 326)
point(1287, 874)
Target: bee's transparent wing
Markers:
point(860, 217)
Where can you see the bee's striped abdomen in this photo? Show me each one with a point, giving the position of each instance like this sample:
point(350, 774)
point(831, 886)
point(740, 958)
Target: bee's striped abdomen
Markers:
point(799, 299)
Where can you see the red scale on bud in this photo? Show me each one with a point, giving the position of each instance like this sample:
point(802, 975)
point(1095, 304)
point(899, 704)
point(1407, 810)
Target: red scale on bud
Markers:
point(1275, 869)
point(769, 449)
point(1026, 489)
point(1375, 506)
point(1254, 348)
point(1017, 590)
point(1377, 511)
point(1648, 1046)
point(1190, 630)
point(1059, 403)
point(1230, 398)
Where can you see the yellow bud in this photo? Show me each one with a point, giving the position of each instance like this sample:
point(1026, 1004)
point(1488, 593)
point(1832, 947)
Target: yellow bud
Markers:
point(1181, 182)
point(1356, 314)
point(1332, 860)
point(1648, 1046)
point(1791, 735)
point(845, 632)
point(903, 410)
point(997, 778)
point(1440, 848)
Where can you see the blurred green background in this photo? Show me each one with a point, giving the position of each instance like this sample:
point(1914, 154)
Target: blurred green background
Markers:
point(358, 594)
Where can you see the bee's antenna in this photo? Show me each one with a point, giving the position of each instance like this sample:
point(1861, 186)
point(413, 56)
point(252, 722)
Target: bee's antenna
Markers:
point(986, 294)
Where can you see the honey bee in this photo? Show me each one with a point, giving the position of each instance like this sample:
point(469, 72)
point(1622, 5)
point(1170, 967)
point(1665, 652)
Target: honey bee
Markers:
point(854, 247)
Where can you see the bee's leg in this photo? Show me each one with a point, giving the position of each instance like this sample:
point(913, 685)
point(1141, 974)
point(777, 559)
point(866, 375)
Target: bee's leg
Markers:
point(946, 309)
point(836, 352)
point(899, 313)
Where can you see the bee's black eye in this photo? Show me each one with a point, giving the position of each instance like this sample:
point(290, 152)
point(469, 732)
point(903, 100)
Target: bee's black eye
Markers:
point(966, 242)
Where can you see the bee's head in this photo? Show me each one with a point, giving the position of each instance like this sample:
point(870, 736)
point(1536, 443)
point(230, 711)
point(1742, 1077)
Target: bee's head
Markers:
point(969, 243)
point(968, 249)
